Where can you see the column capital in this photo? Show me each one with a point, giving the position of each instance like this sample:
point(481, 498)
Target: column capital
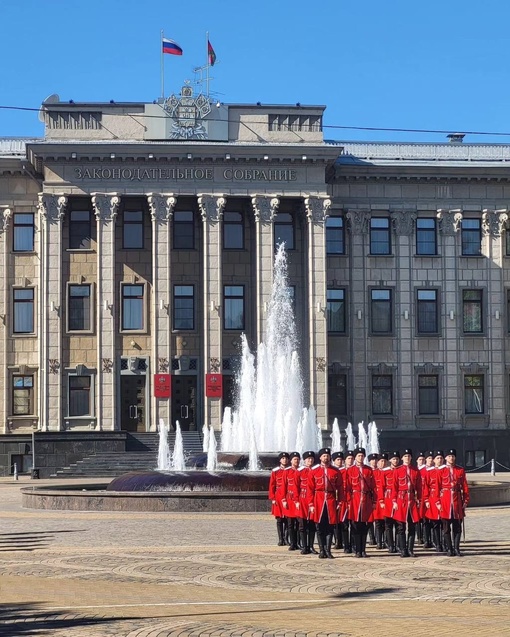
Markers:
point(403, 222)
point(359, 221)
point(317, 209)
point(211, 207)
point(265, 208)
point(6, 217)
point(494, 222)
point(161, 206)
point(52, 207)
point(449, 221)
point(106, 207)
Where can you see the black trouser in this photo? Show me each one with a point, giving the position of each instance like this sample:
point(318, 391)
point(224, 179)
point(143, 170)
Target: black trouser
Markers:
point(379, 533)
point(292, 524)
point(449, 526)
point(436, 534)
point(325, 534)
point(389, 524)
point(406, 544)
point(359, 531)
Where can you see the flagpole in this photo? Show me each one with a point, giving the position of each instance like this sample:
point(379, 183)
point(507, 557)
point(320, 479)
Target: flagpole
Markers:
point(207, 62)
point(162, 67)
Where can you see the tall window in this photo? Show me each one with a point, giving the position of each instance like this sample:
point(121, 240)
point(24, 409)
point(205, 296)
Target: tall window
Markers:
point(380, 238)
point(284, 230)
point(382, 311)
point(78, 308)
point(22, 395)
point(80, 230)
point(233, 232)
point(427, 312)
point(472, 311)
point(337, 395)
point(335, 236)
point(473, 395)
point(132, 229)
point(382, 395)
point(233, 318)
point(23, 233)
point(184, 307)
point(80, 396)
point(426, 236)
point(336, 310)
point(471, 237)
point(184, 230)
point(132, 307)
point(428, 395)
point(23, 310)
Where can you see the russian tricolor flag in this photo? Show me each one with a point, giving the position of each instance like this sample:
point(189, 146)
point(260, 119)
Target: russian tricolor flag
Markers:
point(169, 46)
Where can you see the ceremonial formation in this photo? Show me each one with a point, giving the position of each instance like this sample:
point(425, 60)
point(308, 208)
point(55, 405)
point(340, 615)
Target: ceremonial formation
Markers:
point(387, 499)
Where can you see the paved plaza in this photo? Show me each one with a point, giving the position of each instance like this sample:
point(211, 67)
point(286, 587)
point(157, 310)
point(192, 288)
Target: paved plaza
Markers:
point(167, 575)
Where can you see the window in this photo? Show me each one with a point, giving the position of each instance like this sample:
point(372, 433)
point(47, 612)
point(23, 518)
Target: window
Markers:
point(132, 229)
point(428, 395)
point(335, 237)
point(78, 308)
point(471, 237)
point(337, 395)
point(80, 230)
point(79, 396)
point(380, 239)
point(184, 230)
point(427, 312)
point(284, 230)
point(472, 311)
point(382, 311)
point(382, 395)
point(233, 231)
point(473, 395)
point(336, 310)
point(23, 235)
point(23, 310)
point(22, 395)
point(132, 307)
point(234, 307)
point(426, 236)
point(475, 459)
point(184, 307)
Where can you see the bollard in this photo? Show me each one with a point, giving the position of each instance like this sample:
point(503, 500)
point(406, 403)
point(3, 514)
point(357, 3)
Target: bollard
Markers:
point(15, 472)
point(493, 467)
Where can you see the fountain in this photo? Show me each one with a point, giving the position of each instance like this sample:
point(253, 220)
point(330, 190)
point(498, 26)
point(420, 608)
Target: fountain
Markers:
point(178, 462)
point(164, 463)
point(351, 440)
point(212, 456)
point(336, 440)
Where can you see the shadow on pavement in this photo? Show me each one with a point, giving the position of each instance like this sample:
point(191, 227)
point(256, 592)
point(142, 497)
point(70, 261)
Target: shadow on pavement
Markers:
point(29, 541)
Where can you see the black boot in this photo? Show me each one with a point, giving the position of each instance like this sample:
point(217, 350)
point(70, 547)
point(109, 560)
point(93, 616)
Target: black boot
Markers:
point(363, 542)
point(304, 544)
point(371, 535)
point(427, 544)
point(327, 547)
point(419, 532)
point(378, 534)
point(436, 535)
point(286, 531)
point(320, 542)
point(311, 538)
point(402, 548)
point(447, 538)
point(292, 536)
point(346, 540)
point(338, 536)
point(456, 545)
point(410, 546)
point(390, 543)
point(279, 529)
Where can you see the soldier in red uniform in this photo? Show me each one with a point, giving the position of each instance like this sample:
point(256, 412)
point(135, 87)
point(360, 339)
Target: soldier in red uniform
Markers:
point(361, 497)
point(430, 487)
point(452, 502)
point(372, 462)
point(425, 523)
point(382, 463)
point(406, 503)
point(325, 486)
point(386, 500)
point(337, 460)
point(344, 509)
point(306, 525)
point(276, 494)
point(291, 499)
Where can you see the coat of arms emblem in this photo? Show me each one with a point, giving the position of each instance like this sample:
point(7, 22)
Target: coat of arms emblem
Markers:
point(187, 111)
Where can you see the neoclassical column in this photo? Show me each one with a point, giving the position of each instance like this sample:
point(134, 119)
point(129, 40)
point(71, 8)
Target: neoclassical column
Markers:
point(4, 311)
point(51, 210)
point(211, 209)
point(105, 208)
point(265, 209)
point(161, 208)
point(316, 212)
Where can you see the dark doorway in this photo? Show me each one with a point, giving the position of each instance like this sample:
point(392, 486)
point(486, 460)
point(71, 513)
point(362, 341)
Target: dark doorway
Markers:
point(184, 402)
point(132, 403)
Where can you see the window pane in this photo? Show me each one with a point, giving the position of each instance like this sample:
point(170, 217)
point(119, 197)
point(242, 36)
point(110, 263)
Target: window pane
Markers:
point(184, 237)
point(284, 230)
point(23, 311)
point(132, 307)
point(381, 311)
point(427, 311)
point(79, 396)
point(132, 229)
point(471, 237)
point(184, 307)
point(428, 395)
point(335, 235)
point(234, 307)
point(473, 394)
point(380, 236)
point(233, 231)
point(426, 236)
point(336, 310)
point(79, 307)
point(22, 395)
point(337, 395)
point(382, 395)
point(472, 311)
point(23, 232)
point(80, 230)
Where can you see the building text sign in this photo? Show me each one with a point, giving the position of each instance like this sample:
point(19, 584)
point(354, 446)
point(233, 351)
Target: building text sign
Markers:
point(162, 386)
point(213, 385)
point(185, 174)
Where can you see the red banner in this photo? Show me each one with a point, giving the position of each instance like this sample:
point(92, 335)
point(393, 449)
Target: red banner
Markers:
point(213, 385)
point(162, 386)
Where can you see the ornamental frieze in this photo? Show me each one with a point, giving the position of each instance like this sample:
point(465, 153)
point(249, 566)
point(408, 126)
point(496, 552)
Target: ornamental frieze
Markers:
point(161, 207)
point(494, 222)
point(265, 208)
point(449, 221)
point(403, 222)
point(359, 220)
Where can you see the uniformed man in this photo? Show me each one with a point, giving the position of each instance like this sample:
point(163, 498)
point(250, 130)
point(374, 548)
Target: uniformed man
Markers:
point(276, 494)
point(337, 460)
point(406, 503)
point(349, 458)
point(360, 495)
point(291, 499)
point(386, 502)
point(379, 516)
point(420, 464)
point(452, 502)
point(425, 523)
point(372, 462)
point(431, 497)
point(306, 525)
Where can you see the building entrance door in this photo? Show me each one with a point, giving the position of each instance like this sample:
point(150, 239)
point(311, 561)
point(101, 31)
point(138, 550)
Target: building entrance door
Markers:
point(132, 401)
point(184, 402)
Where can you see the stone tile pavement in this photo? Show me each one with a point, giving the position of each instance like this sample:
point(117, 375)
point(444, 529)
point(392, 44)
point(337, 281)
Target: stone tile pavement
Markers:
point(82, 574)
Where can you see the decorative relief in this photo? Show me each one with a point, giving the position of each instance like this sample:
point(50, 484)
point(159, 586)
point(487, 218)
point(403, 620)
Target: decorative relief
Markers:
point(211, 207)
point(474, 368)
point(382, 368)
point(449, 221)
point(52, 207)
point(107, 365)
point(6, 216)
point(161, 207)
point(403, 222)
point(359, 221)
point(428, 368)
point(317, 209)
point(494, 222)
point(265, 208)
point(320, 364)
point(214, 365)
point(54, 366)
point(163, 365)
point(106, 207)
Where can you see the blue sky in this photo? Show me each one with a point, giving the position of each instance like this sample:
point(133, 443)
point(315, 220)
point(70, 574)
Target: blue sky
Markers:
point(440, 64)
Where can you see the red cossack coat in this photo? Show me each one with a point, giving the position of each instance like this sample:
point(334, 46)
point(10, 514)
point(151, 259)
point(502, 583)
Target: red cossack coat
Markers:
point(453, 492)
point(291, 495)
point(406, 493)
point(343, 509)
point(276, 491)
point(305, 499)
point(360, 492)
point(430, 493)
point(379, 511)
point(385, 496)
point(326, 491)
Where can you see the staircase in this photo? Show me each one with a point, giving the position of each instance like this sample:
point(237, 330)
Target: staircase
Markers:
point(141, 454)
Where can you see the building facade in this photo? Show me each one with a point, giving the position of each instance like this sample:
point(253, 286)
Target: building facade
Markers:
point(137, 244)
